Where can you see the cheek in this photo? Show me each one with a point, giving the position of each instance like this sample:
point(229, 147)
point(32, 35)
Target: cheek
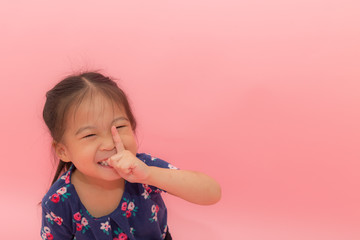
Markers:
point(131, 144)
point(135, 148)
point(82, 150)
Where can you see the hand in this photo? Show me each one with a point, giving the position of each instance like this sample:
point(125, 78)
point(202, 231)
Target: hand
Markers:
point(125, 163)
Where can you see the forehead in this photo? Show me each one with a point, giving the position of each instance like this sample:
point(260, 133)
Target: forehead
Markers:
point(94, 109)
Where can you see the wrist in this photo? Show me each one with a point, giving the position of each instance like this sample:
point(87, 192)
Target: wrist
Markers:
point(149, 176)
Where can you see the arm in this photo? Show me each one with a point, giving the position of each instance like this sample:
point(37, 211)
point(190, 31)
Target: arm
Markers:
point(191, 186)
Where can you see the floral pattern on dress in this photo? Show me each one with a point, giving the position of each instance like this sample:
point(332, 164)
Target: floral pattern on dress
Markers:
point(141, 210)
point(129, 208)
point(46, 234)
point(51, 217)
point(66, 177)
point(147, 191)
point(154, 211)
point(105, 227)
point(60, 194)
point(120, 235)
point(165, 231)
point(81, 222)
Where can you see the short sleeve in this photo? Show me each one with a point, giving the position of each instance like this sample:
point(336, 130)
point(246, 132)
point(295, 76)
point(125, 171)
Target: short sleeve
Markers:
point(53, 226)
point(154, 162)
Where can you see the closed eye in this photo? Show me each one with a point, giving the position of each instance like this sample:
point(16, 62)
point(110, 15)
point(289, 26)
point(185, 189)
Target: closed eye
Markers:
point(120, 126)
point(90, 135)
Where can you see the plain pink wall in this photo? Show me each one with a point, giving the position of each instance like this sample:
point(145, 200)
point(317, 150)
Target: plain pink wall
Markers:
point(262, 95)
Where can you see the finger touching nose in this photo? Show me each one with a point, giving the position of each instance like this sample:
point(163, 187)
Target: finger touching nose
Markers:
point(117, 140)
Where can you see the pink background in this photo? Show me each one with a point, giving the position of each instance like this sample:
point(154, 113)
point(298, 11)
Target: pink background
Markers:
point(262, 95)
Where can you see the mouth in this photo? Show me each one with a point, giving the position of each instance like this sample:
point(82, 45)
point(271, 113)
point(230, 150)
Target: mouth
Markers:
point(104, 163)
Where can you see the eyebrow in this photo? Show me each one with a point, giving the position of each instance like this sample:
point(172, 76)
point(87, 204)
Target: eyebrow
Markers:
point(93, 127)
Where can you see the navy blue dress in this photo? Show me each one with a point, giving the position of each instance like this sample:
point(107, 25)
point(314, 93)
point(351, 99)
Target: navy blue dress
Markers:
point(141, 213)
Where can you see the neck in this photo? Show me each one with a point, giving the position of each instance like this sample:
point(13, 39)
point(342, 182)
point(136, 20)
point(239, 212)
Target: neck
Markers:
point(79, 179)
point(99, 197)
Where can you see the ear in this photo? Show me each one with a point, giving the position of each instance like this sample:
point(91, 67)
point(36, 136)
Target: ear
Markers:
point(61, 151)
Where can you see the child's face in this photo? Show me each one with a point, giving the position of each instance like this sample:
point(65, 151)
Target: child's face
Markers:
point(88, 140)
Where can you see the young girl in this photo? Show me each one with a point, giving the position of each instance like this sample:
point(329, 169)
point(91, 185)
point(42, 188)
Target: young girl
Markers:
point(106, 189)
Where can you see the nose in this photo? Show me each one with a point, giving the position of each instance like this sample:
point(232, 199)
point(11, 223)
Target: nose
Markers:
point(107, 143)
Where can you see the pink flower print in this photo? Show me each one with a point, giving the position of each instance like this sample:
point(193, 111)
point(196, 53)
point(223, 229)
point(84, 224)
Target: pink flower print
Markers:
point(131, 206)
point(145, 194)
point(66, 177)
point(46, 230)
point(124, 206)
point(147, 188)
point(78, 227)
point(83, 225)
point(49, 236)
point(60, 194)
point(84, 222)
point(153, 208)
point(58, 220)
point(122, 236)
point(147, 191)
point(49, 218)
point(52, 215)
point(105, 226)
point(77, 216)
point(61, 191)
point(55, 198)
point(46, 234)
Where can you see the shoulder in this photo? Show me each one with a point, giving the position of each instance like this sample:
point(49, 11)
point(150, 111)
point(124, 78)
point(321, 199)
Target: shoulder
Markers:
point(61, 199)
point(57, 211)
point(150, 160)
point(60, 190)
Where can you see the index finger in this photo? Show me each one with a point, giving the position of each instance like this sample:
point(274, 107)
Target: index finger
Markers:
point(117, 140)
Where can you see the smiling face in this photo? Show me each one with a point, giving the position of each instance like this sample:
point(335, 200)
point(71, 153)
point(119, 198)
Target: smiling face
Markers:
point(87, 140)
